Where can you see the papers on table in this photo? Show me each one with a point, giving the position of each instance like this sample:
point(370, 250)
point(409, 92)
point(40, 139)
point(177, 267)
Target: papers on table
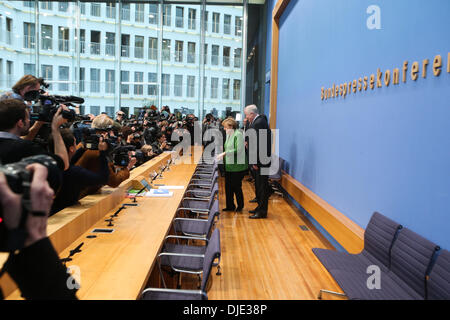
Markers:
point(159, 193)
point(171, 187)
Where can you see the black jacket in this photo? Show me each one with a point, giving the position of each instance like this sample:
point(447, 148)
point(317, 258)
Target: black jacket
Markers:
point(260, 127)
point(39, 274)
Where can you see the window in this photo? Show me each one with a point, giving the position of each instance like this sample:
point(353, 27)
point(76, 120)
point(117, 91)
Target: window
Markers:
point(215, 22)
point(178, 88)
point(190, 92)
point(227, 24)
point(139, 88)
point(166, 15)
point(82, 41)
point(226, 56)
point(63, 39)
point(63, 6)
point(192, 19)
point(110, 82)
point(179, 17)
point(237, 57)
point(191, 52)
point(110, 111)
point(238, 26)
point(9, 28)
point(205, 20)
point(111, 10)
point(82, 8)
point(152, 89)
point(28, 68)
point(29, 4)
point(124, 77)
point(29, 35)
point(214, 87)
point(205, 82)
point(95, 110)
point(139, 47)
point(214, 55)
point(95, 42)
point(1, 73)
point(95, 80)
point(125, 45)
point(95, 9)
point(225, 88)
point(152, 48)
point(63, 76)
point(46, 5)
point(82, 79)
point(9, 73)
point(47, 74)
point(205, 54)
point(153, 14)
point(47, 37)
point(166, 49)
point(178, 51)
point(165, 89)
point(125, 11)
point(236, 89)
point(110, 48)
point(139, 12)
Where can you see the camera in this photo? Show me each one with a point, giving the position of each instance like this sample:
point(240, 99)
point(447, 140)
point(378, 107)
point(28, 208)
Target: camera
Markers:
point(47, 106)
point(91, 138)
point(121, 157)
point(19, 180)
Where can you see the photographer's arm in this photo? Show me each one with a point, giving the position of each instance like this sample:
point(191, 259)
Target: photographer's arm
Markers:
point(60, 148)
point(36, 269)
point(33, 131)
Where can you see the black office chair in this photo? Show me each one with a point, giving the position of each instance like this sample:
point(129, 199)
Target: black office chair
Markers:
point(274, 179)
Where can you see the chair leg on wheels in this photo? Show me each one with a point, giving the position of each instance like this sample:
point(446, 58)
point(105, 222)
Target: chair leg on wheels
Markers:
point(179, 281)
point(218, 271)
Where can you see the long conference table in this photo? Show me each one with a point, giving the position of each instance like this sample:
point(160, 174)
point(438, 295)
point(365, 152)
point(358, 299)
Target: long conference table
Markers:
point(117, 265)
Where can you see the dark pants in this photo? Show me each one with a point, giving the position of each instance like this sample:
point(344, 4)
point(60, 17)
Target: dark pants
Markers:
point(233, 186)
point(262, 192)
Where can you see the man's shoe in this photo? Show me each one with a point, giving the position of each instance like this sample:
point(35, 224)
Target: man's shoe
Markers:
point(252, 211)
point(254, 200)
point(258, 216)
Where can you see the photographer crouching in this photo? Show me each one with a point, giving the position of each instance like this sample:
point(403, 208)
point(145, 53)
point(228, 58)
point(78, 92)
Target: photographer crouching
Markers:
point(26, 198)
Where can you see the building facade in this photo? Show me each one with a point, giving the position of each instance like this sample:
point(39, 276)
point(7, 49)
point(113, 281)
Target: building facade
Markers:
point(127, 55)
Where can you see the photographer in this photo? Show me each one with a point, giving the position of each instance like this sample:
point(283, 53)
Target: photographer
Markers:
point(36, 268)
point(90, 158)
point(76, 178)
point(14, 123)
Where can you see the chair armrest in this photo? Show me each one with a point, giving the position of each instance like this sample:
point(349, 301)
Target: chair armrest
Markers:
point(190, 219)
point(173, 236)
point(181, 291)
point(205, 211)
point(197, 199)
point(172, 254)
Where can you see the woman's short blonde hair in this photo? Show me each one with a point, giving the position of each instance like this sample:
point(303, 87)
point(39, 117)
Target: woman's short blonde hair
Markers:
point(102, 121)
point(230, 122)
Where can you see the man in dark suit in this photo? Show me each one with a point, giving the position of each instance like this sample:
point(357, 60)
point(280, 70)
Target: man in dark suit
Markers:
point(259, 138)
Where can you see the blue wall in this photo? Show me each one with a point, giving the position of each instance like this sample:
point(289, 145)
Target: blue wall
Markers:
point(383, 150)
point(270, 5)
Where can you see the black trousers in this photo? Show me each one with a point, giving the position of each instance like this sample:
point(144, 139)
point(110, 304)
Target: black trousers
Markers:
point(262, 192)
point(233, 187)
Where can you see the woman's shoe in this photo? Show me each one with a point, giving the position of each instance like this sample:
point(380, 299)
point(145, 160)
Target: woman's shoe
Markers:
point(228, 209)
point(239, 209)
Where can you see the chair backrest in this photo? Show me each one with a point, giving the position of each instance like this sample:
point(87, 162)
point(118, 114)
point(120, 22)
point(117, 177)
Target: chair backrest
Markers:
point(379, 237)
point(213, 212)
point(410, 258)
point(214, 193)
point(276, 160)
point(439, 279)
point(212, 252)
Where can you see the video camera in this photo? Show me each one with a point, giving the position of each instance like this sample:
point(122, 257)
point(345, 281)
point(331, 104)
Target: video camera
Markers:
point(92, 138)
point(121, 157)
point(19, 180)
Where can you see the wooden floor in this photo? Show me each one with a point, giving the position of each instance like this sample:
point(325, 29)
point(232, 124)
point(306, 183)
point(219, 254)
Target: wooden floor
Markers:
point(269, 258)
